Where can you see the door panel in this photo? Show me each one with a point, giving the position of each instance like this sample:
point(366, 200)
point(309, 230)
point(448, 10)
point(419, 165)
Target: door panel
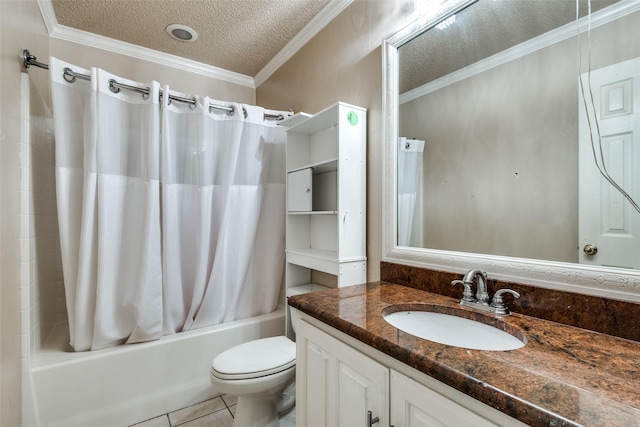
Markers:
point(607, 219)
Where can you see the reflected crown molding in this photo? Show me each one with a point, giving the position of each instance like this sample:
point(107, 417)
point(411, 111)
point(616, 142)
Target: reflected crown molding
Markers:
point(567, 31)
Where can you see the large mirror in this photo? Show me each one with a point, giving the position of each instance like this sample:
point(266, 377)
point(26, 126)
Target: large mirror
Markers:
point(513, 142)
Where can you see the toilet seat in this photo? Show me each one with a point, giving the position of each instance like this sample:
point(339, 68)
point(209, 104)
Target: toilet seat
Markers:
point(255, 359)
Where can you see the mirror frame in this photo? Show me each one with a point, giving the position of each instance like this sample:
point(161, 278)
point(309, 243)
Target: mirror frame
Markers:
point(608, 282)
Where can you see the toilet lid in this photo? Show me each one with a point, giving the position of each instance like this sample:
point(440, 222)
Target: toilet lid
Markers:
point(255, 359)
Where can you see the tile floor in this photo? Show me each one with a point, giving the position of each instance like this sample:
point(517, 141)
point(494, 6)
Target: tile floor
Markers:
point(216, 412)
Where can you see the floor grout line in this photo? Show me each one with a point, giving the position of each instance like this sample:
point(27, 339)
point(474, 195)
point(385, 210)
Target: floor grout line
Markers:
point(202, 416)
point(169, 423)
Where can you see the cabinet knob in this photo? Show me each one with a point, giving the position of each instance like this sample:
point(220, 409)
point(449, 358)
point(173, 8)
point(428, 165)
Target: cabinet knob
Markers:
point(370, 420)
point(307, 189)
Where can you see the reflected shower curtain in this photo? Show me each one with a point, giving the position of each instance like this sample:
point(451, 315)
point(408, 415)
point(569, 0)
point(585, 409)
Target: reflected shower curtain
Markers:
point(171, 217)
point(410, 152)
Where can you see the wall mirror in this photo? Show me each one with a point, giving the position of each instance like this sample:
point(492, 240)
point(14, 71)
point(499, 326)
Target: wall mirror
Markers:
point(498, 116)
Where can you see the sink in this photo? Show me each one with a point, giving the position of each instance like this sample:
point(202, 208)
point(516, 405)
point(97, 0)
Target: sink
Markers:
point(454, 330)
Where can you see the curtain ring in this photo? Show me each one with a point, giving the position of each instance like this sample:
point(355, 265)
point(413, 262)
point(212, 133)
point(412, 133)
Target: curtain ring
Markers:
point(244, 112)
point(112, 87)
point(67, 76)
point(192, 104)
point(145, 95)
point(232, 111)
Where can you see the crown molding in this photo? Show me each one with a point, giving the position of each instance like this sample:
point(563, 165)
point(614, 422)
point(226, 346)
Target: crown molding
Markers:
point(48, 15)
point(569, 30)
point(321, 20)
point(85, 38)
point(62, 32)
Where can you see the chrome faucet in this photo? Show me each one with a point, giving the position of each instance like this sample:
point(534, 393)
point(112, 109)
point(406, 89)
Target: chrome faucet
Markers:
point(481, 299)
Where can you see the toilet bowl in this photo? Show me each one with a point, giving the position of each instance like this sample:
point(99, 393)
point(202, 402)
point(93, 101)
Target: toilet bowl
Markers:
point(260, 373)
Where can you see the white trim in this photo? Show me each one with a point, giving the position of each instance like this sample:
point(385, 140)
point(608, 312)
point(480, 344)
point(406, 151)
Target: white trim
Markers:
point(48, 15)
point(62, 32)
point(569, 30)
point(608, 282)
point(321, 20)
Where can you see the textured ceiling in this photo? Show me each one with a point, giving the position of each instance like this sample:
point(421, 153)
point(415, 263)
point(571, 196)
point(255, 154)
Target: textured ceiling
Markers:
point(236, 35)
point(481, 30)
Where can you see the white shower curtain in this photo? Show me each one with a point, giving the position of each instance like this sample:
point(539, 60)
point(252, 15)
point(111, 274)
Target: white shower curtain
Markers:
point(163, 231)
point(410, 158)
point(223, 213)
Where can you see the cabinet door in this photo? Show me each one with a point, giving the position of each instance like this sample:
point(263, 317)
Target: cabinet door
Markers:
point(336, 386)
point(416, 405)
point(299, 191)
point(362, 386)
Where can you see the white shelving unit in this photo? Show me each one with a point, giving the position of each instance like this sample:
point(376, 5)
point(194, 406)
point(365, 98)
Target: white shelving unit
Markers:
point(326, 195)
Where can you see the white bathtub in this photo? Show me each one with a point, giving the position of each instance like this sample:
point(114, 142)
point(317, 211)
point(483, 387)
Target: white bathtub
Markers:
point(123, 385)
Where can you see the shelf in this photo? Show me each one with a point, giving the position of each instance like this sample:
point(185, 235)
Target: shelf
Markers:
point(323, 120)
point(313, 213)
point(315, 259)
point(307, 288)
point(294, 120)
point(315, 253)
point(326, 169)
point(328, 165)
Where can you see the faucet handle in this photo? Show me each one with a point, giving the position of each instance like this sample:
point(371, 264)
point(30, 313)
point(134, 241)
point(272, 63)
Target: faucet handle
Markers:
point(467, 295)
point(498, 302)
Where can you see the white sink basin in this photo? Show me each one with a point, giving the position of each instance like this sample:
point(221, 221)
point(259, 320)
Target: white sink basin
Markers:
point(453, 330)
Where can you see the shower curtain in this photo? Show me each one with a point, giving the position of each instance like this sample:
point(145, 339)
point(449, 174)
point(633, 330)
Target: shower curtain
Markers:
point(171, 216)
point(410, 153)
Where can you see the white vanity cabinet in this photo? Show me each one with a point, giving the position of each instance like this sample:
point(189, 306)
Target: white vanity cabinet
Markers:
point(337, 385)
point(326, 195)
point(339, 380)
point(415, 405)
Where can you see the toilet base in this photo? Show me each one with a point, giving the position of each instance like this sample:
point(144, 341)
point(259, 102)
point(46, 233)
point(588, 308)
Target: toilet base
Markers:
point(257, 411)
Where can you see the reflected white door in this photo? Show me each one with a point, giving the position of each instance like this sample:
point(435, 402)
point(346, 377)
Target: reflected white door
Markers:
point(607, 219)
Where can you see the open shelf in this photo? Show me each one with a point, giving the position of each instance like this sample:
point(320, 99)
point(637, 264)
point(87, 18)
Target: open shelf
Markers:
point(294, 120)
point(315, 259)
point(313, 213)
point(326, 175)
point(328, 165)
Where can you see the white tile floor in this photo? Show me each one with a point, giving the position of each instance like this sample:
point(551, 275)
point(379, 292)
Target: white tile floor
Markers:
point(216, 412)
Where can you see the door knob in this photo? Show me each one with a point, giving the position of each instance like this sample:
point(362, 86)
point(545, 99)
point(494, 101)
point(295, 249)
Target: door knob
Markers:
point(590, 249)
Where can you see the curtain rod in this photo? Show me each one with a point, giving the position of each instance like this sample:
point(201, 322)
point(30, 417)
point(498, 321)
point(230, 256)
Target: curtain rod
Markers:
point(70, 76)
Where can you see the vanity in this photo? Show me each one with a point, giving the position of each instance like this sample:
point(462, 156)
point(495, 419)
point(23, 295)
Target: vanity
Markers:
point(353, 368)
point(492, 95)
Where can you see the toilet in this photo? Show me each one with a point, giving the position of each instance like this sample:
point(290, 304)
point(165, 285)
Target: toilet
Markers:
point(261, 373)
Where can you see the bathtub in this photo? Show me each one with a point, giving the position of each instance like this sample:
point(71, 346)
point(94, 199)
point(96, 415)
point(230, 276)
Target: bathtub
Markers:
point(123, 385)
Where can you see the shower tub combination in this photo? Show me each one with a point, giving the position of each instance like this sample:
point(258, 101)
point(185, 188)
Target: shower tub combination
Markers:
point(126, 384)
point(123, 385)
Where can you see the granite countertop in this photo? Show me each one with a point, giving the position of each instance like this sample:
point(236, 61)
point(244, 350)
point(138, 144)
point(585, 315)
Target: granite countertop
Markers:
point(563, 376)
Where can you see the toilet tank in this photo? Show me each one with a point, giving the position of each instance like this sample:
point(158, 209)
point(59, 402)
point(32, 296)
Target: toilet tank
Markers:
point(297, 290)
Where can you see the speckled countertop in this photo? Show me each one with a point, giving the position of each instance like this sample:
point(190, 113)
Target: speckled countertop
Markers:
point(563, 376)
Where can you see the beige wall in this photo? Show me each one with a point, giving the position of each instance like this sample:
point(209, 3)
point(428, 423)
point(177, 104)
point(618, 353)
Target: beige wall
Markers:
point(501, 159)
point(344, 63)
point(21, 26)
point(501, 151)
point(145, 71)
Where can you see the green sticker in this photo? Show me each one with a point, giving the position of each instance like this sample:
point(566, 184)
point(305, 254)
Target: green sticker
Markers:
point(352, 118)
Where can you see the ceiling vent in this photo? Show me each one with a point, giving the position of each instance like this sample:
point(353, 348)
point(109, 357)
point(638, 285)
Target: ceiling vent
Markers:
point(182, 33)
